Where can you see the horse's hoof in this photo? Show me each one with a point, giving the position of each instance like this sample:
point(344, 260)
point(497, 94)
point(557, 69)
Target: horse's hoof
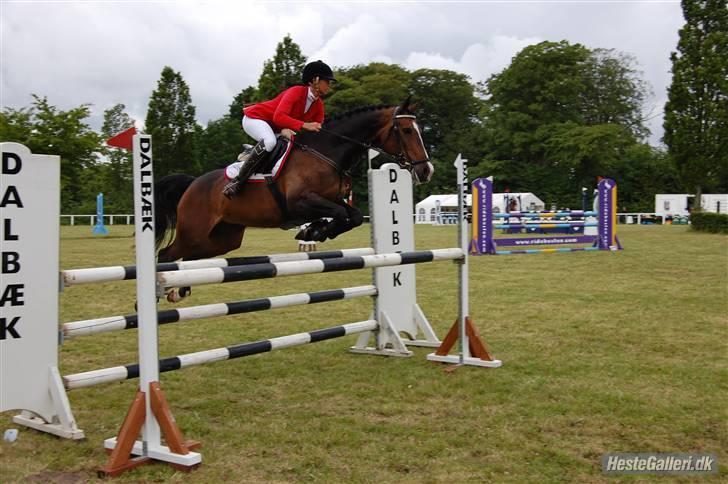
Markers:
point(185, 291)
point(318, 236)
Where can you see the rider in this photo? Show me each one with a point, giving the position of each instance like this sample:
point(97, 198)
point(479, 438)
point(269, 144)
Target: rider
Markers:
point(298, 107)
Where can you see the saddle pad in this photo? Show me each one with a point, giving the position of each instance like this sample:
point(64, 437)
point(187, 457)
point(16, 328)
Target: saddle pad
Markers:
point(233, 169)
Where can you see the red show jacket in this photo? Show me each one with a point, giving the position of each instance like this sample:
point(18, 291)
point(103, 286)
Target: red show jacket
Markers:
point(286, 110)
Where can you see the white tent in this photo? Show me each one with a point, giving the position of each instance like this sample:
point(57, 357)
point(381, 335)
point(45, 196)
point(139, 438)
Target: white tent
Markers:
point(522, 202)
point(426, 211)
point(678, 203)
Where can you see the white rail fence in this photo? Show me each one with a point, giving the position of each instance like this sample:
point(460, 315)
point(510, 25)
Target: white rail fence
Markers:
point(128, 219)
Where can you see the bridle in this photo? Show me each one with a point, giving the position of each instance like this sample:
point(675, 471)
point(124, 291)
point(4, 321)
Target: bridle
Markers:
point(401, 158)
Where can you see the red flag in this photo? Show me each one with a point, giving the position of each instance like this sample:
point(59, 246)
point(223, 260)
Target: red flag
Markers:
point(123, 140)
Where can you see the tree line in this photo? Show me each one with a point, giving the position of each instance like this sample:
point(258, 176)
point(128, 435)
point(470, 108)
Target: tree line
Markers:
point(559, 116)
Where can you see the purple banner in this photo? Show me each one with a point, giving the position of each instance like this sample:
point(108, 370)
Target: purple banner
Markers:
point(483, 216)
point(579, 239)
point(607, 202)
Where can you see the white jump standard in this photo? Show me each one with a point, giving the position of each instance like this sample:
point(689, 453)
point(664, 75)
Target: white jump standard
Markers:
point(472, 350)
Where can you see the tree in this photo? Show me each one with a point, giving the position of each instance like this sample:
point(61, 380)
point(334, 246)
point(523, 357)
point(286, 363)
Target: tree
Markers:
point(371, 84)
point(283, 70)
point(643, 171)
point(614, 92)
point(578, 154)
point(118, 174)
point(696, 113)
point(447, 110)
point(219, 144)
point(249, 95)
point(171, 122)
point(559, 92)
point(44, 128)
point(221, 141)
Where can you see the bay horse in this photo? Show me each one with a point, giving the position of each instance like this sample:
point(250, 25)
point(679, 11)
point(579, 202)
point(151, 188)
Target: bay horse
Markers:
point(310, 189)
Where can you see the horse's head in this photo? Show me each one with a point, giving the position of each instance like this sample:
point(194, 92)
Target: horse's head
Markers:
point(403, 140)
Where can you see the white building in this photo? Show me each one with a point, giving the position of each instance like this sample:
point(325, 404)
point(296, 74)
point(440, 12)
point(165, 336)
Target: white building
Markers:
point(427, 210)
point(678, 204)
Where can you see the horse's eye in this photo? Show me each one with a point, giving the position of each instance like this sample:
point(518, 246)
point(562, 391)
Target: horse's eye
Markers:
point(407, 130)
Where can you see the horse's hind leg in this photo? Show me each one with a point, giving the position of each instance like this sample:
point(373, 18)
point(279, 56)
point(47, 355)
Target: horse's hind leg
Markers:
point(171, 253)
point(223, 238)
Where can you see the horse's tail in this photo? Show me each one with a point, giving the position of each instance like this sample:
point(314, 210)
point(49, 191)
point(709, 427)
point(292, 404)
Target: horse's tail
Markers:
point(167, 193)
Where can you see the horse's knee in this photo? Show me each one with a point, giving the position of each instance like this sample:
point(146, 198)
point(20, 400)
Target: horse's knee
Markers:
point(356, 218)
point(167, 254)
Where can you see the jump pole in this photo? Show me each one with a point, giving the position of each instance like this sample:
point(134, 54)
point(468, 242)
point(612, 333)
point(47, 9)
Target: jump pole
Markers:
point(93, 275)
point(119, 323)
point(471, 349)
point(126, 372)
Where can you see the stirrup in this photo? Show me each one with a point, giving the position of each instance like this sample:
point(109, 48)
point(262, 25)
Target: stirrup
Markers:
point(232, 188)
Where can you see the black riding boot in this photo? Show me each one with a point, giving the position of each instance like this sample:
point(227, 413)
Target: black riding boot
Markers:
point(255, 160)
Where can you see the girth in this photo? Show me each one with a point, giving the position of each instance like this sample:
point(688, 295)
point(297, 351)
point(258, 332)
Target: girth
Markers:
point(278, 197)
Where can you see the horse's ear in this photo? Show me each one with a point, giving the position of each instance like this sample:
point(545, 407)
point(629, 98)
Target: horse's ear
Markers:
point(405, 107)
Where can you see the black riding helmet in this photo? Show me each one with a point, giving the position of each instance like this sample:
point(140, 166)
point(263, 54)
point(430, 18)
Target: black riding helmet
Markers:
point(317, 69)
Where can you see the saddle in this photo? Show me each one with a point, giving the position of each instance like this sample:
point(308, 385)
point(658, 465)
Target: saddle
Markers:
point(270, 166)
point(270, 160)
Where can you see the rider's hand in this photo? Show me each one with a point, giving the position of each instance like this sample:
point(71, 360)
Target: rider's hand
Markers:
point(315, 127)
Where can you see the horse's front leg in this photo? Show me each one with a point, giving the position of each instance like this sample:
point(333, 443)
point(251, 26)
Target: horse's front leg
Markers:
point(312, 207)
point(352, 219)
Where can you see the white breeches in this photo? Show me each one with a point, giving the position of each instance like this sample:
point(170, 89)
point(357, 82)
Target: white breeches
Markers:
point(260, 130)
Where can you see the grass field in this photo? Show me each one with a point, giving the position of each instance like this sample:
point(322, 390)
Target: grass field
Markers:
point(602, 352)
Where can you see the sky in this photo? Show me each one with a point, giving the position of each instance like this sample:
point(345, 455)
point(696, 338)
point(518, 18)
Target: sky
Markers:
point(109, 52)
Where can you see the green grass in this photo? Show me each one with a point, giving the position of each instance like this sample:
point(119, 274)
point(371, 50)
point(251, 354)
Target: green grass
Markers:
point(602, 352)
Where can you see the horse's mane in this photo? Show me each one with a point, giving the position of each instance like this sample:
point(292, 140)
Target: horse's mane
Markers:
point(348, 114)
point(337, 120)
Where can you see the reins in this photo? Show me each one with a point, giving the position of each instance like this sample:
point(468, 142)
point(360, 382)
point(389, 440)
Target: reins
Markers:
point(401, 158)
